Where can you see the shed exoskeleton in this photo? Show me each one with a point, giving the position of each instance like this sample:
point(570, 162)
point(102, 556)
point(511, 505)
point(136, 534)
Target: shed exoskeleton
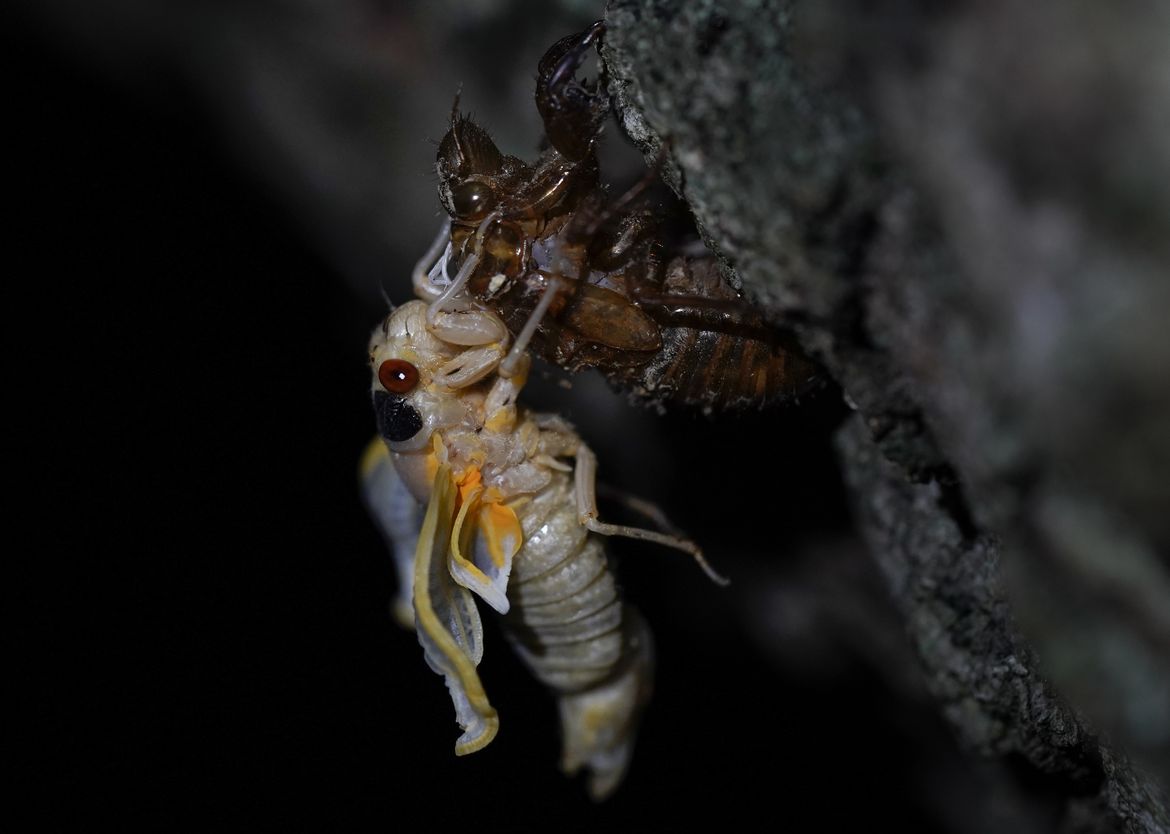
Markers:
point(586, 282)
point(510, 520)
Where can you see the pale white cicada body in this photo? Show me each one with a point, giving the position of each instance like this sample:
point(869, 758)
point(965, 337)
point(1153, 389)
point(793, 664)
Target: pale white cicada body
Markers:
point(509, 519)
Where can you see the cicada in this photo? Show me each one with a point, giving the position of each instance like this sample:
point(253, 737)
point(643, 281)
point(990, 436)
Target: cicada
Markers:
point(510, 520)
point(588, 283)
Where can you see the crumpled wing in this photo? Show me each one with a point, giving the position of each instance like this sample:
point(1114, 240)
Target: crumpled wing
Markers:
point(448, 623)
point(485, 539)
point(398, 517)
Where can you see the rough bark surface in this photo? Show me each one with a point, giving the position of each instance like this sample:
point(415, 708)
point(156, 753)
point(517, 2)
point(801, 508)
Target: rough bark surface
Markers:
point(964, 214)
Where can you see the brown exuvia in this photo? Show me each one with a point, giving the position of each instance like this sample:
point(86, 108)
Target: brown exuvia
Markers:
point(586, 282)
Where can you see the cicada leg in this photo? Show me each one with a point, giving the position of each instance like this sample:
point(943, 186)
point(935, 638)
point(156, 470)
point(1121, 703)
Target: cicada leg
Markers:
point(451, 314)
point(585, 227)
point(587, 224)
point(519, 350)
point(572, 112)
point(469, 367)
point(499, 407)
point(449, 299)
point(720, 315)
point(647, 509)
point(585, 474)
point(420, 276)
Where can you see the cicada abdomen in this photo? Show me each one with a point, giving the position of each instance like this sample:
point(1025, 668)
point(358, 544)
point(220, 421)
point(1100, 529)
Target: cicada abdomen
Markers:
point(717, 353)
point(571, 628)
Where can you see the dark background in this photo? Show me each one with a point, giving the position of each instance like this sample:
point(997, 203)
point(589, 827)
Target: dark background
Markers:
point(207, 644)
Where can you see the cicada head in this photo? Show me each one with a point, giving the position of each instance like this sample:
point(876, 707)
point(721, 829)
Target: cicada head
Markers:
point(423, 384)
point(410, 365)
point(474, 177)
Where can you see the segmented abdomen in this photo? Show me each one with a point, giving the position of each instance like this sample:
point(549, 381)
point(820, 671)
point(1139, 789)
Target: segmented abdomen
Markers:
point(577, 636)
point(722, 371)
point(566, 617)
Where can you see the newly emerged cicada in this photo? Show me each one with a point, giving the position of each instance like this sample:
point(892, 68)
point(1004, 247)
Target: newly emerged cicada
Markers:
point(510, 518)
point(588, 283)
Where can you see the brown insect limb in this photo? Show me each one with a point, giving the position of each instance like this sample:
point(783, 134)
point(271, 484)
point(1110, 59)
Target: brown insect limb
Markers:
point(564, 104)
point(631, 194)
point(562, 265)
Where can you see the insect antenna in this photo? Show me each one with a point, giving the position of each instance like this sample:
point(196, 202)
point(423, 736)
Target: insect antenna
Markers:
point(455, 105)
point(391, 306)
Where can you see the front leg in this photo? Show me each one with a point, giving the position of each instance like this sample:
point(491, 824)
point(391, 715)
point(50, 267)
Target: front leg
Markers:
point(515, 358)
point(585, 475)
point(499, 407)
point(572, 112)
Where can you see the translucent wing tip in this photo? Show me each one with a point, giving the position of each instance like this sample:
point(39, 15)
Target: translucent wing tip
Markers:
point(478, 735)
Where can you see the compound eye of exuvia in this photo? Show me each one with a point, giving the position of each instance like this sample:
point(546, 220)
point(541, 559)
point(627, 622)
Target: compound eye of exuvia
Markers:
point(398, 376)
point(472, 200)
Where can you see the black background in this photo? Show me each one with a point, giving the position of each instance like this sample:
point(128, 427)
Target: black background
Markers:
point(207, 644)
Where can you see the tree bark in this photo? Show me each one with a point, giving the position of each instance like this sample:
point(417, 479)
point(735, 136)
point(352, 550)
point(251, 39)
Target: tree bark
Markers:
point(964, 216)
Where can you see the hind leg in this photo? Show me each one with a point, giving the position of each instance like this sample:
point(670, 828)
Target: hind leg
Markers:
point(585, 475)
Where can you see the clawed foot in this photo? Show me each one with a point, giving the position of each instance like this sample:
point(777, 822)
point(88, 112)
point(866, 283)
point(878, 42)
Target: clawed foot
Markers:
point(572, 111)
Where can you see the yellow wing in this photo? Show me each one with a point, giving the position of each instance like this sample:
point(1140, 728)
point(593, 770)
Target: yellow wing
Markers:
point(448, 623)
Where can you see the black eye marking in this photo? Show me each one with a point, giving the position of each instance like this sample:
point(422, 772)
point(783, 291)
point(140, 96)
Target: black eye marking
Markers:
point(397, 419)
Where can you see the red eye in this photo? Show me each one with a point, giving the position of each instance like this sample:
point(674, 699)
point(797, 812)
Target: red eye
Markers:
point(398, 376)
